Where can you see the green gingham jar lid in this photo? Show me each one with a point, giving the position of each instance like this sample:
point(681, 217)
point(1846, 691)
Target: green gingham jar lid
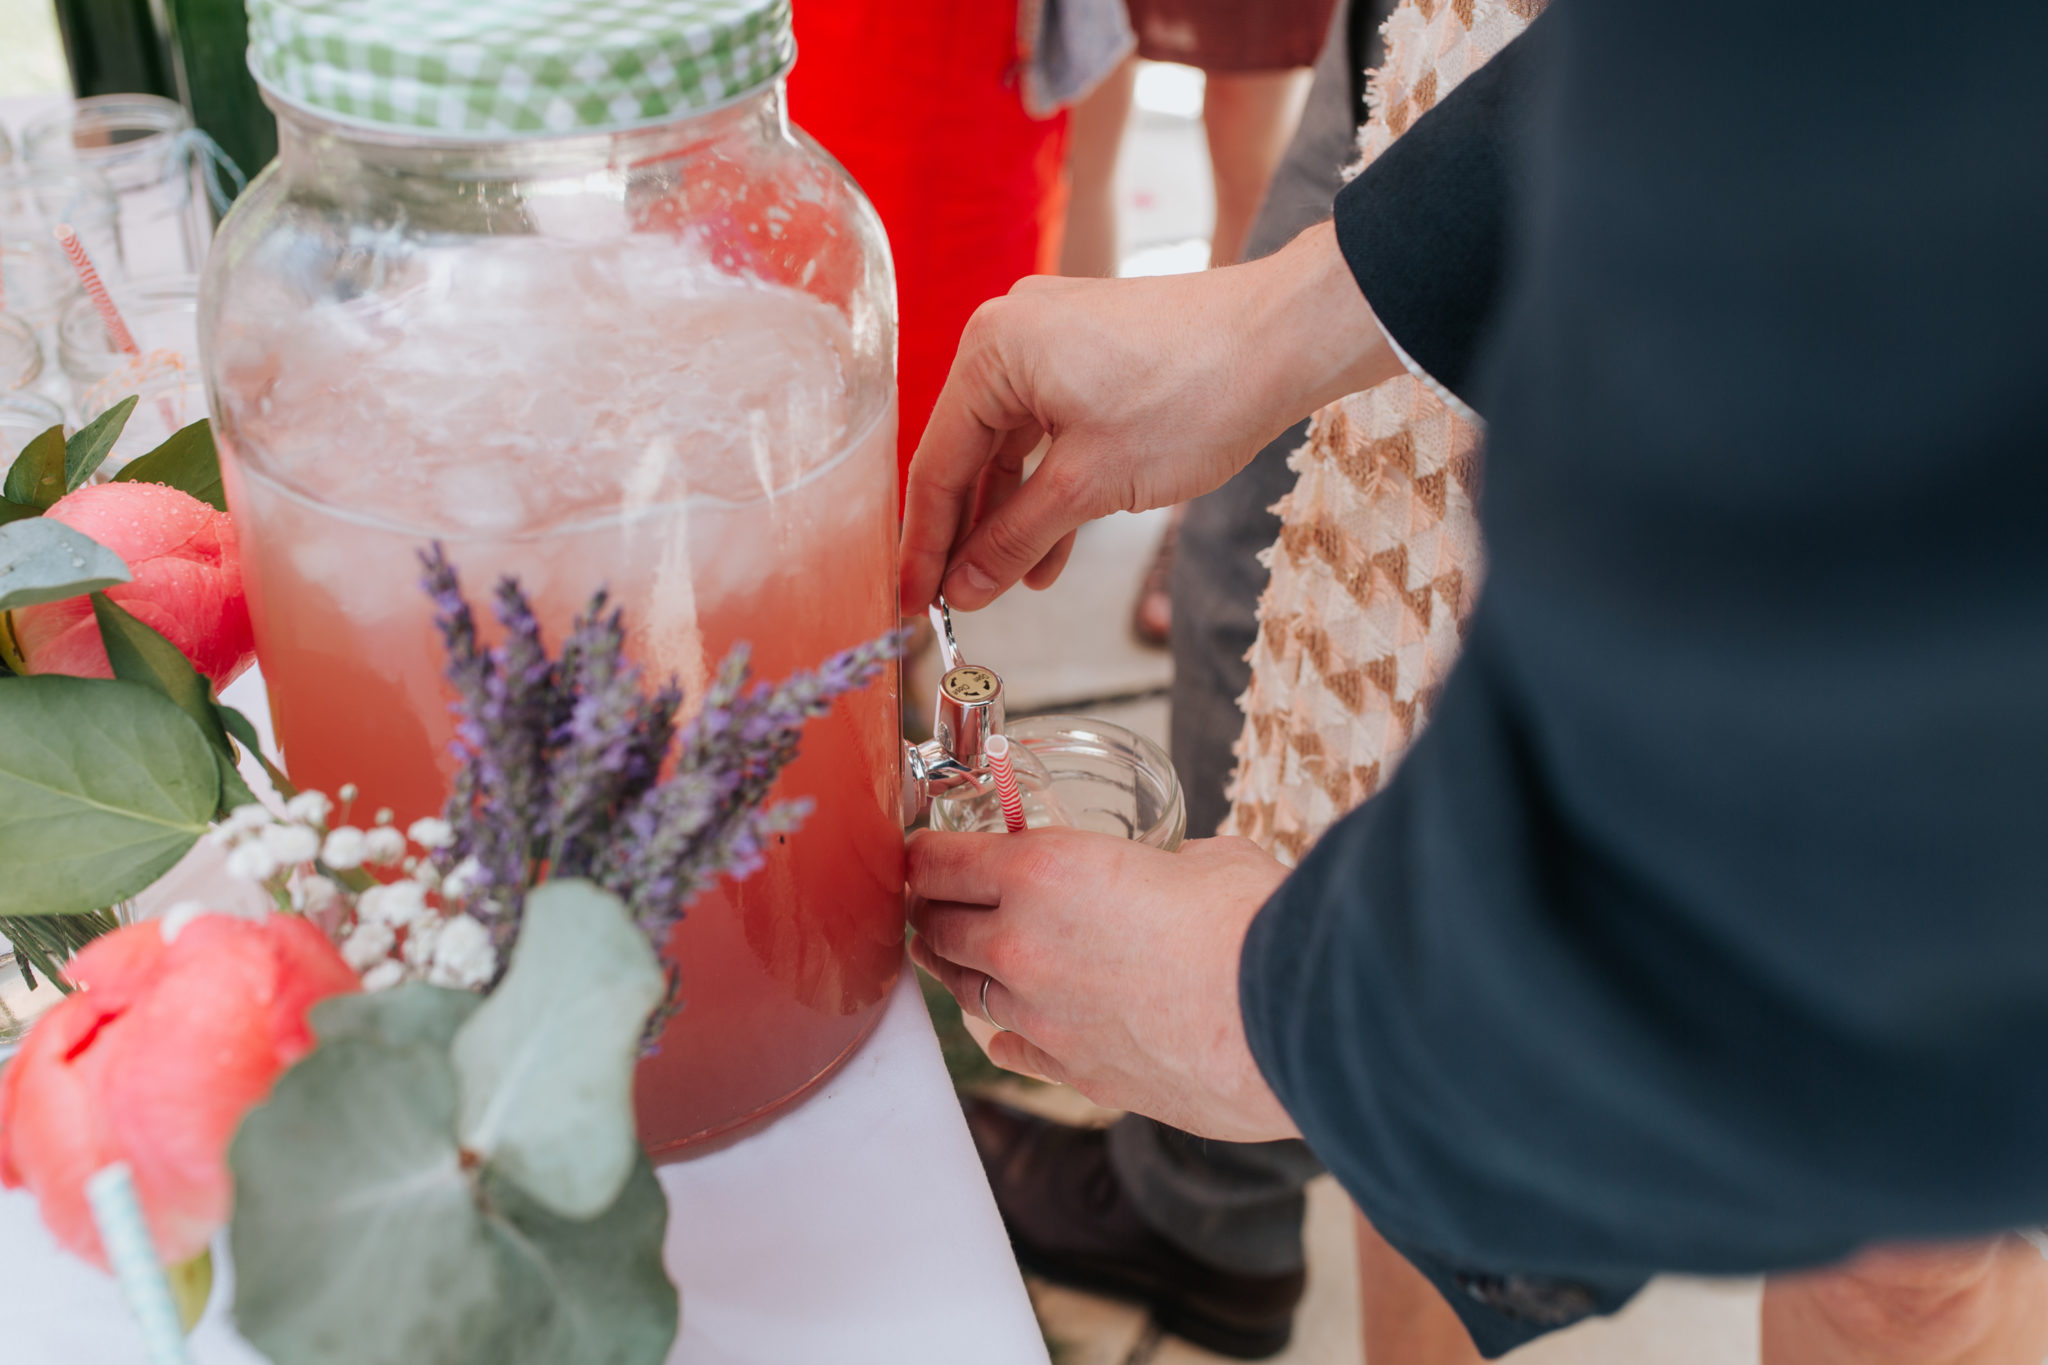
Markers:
point(511, 68)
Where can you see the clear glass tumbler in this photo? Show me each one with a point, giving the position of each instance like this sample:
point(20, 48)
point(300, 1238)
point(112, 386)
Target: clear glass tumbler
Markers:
point(141, 144)
point(35, 199)
point(162, 314)
point(1089, 773)
point(173, 397)
point(21, 353)
point(23, 417)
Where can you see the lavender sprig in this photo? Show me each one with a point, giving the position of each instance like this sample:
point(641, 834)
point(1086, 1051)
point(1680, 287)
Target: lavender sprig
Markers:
point(560, 762)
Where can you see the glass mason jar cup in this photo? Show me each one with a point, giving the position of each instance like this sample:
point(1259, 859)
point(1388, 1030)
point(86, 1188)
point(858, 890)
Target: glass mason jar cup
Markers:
point(1088, 773)
point(21, 353)
point(161, 313)
point(23, 417)
point(640, 339)
point(143, 145)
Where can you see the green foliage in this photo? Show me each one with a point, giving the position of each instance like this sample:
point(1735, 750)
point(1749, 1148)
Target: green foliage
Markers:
point(358, 1236)
point(103, 786)
point(141, 655)
point(36, 478)
point(46, 561)
point(244, 733)
point(367, 1232)
point(44, 943)
point(86, 451)
point(187, 462)
point(547, 1063)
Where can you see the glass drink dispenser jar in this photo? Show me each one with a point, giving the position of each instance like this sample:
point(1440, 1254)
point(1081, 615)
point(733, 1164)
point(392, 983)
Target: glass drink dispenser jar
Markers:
point(559, 287)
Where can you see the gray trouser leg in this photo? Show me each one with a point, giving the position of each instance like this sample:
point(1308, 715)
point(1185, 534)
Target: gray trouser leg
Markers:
point(1238, 1206)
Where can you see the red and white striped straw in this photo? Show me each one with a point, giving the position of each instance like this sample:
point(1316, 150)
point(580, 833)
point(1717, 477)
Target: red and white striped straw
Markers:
point(998, 751)
point(117, 330)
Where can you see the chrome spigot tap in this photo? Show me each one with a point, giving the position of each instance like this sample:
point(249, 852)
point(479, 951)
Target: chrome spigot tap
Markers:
point(968, 711)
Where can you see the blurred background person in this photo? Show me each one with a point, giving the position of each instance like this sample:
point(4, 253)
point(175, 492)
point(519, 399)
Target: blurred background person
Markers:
point(1256, 57)
point(923, 102)
point(1207, 1234)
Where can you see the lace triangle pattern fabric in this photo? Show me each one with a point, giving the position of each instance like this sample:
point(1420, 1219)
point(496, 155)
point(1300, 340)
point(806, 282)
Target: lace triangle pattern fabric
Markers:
point(1379, 560)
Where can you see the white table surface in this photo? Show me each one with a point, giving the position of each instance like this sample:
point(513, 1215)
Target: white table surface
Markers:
point(858, 1229)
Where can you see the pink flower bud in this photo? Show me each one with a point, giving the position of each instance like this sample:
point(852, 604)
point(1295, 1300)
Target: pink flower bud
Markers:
point(153, 1061)
point(187, 583)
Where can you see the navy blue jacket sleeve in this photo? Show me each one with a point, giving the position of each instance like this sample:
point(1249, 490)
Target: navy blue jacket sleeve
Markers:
point(1706, 926)
point(1424, 227)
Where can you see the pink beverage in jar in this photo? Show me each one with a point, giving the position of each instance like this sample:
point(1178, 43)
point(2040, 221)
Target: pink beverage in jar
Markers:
point(580, 438)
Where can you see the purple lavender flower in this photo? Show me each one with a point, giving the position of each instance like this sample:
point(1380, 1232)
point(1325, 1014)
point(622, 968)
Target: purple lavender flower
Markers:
point(560, 762)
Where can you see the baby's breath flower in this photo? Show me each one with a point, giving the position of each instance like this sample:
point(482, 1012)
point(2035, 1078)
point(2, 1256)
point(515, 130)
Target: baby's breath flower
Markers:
point(431, 832)
point(424, 872)
point(242, 821)
point(291, 843)
point(463, 957)
point(312, 893)
point(384, 816)
point(421, 938)
point(309, 808)
point(397, 904)
point(384, 975)
point(464, 878)
point(383, 845)
point(252, 862)
point(369, 943)
point(343, 848)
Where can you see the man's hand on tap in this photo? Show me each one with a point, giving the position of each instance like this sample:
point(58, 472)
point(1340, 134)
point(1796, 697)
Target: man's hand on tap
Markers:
point(1152, 390)
point(1112, 965)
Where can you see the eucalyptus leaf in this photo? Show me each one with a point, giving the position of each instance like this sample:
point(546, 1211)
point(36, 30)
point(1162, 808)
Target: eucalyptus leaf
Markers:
point(546, 1065)
point(87, 450)
point(357, 1236)
point(612, 1300)
point(36, 478)
point(363, 1236)
point(408, 1014)
point(188, 462)
point(46, 561)
point(103, 786)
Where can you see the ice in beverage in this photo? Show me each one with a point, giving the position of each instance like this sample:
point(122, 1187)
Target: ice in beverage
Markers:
point(677, 434)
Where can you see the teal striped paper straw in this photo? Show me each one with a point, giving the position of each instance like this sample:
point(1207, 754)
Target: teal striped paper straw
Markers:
point(125, 1236)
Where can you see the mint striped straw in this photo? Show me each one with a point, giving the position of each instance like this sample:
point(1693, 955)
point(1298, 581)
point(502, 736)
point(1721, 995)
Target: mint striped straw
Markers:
point(125, 1236)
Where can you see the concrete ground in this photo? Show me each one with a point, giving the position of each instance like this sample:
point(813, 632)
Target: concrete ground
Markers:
point(1069, 649)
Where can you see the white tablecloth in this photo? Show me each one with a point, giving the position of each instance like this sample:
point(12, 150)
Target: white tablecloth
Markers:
point(856, 1229)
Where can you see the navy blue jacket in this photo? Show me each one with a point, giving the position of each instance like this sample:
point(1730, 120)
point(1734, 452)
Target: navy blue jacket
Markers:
point(1706, 926)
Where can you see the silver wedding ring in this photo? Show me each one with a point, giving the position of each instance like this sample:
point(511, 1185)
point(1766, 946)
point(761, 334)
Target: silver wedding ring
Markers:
point(986, 982)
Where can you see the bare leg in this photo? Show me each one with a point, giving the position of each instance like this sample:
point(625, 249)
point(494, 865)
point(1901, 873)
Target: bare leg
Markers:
point(1406, 1320)
point(1095, 135)
point(1250, 117)
point(1978, 1303)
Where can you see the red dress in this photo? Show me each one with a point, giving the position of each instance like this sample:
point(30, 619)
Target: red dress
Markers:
point(919, 100)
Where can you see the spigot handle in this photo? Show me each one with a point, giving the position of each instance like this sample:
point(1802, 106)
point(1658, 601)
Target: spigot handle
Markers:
point(942, 624)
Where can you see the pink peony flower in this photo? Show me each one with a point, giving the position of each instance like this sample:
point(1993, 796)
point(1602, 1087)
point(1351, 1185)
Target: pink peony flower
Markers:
point(153, 1060)
point(187, 585)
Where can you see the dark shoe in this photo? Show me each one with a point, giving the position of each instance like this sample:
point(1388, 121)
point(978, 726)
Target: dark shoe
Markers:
point(1070, 1221)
